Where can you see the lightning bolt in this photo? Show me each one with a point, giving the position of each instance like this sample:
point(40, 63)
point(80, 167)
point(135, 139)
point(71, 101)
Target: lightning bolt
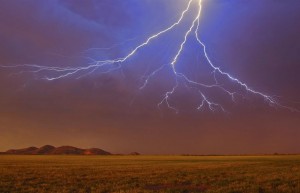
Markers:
point(110, 65)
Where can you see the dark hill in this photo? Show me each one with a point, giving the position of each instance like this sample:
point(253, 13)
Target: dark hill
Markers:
point(96, 151)
point(29, 151)
point(134, 153)
point(51, 150)
point(47, 149)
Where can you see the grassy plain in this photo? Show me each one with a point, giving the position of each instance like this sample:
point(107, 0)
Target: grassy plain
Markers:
point(103, 174)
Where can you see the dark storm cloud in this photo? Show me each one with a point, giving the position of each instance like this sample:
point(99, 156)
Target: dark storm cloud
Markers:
point(258, 41)
point(261, 39)
point(32, 29)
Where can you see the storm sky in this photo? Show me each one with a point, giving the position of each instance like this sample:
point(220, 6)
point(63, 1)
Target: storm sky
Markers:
point(256, 41)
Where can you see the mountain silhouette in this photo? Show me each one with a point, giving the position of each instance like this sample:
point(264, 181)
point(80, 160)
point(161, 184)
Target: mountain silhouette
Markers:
point(51, 150)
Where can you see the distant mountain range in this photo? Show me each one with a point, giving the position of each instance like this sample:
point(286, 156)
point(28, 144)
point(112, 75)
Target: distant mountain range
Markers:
point(51, 150)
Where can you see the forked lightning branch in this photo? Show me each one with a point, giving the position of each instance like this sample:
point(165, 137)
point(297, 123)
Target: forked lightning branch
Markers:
point(114, 64)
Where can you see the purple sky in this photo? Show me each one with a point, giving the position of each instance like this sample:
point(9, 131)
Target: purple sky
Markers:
point(256, 41)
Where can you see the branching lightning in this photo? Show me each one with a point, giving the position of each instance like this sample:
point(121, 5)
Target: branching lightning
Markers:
point(107, 66)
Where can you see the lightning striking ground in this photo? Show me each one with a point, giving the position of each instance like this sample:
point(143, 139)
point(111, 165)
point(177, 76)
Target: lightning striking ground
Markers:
point(110, 65)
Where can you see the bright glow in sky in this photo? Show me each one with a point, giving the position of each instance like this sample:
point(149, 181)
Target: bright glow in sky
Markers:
point(86, 68)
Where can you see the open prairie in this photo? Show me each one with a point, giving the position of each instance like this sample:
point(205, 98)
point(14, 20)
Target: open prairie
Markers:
point(150, 174)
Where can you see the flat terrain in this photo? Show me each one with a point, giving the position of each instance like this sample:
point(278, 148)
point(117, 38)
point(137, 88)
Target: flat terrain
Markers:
point(102, 174)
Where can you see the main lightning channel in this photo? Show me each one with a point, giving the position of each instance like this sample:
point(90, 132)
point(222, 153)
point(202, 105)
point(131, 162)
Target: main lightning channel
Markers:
point(179, 78)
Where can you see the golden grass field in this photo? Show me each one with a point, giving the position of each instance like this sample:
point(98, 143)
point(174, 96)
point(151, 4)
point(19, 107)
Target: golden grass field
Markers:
point(101, 174)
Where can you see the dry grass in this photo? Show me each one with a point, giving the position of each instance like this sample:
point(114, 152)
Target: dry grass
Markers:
point(101, 174)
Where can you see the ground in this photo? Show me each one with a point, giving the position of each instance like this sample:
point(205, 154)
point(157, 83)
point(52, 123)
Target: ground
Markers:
point(103, 174)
